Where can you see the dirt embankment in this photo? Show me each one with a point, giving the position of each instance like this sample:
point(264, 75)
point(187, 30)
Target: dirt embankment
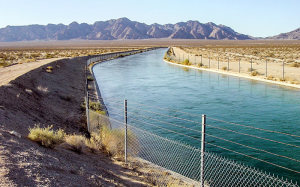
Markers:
point(38, 97)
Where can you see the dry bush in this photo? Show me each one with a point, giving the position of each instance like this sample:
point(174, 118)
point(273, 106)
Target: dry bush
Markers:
point(295, 64)
point(78, 143)
point(49, 69)
point(270, 77)
point(113, 141)
point(46, 136)
point(224, 68)
point(254, 73)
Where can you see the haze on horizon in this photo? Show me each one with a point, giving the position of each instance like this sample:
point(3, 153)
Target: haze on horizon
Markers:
point(256, 18)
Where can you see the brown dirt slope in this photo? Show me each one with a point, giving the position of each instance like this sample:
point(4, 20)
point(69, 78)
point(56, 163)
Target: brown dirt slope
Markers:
point(38, 97)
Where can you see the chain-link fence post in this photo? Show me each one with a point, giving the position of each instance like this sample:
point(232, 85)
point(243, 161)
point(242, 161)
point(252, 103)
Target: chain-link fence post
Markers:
point(87, 104)
point(266, 67)
point(203, 148)
point(239, 65)
point(283, 70)
point(125, 121)
point(209, 62)
point(228, 64)
point(218, 63)
point(251, 65)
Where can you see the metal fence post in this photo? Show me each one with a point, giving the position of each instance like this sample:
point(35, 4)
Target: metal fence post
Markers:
point(201, 60)
point(202, 148)
point(283, 70)
point(125, 121)
point(209, 62)
point(218, 63)
point(266, 67)
point(228, 64)
point(251, 65)
point(239, 65)
point(87, 106)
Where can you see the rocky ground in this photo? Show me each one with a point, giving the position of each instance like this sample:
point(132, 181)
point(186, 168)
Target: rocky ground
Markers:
point(40, 97)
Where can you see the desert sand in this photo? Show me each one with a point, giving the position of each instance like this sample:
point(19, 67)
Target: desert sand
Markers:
point(37, 97)
point(292, 74)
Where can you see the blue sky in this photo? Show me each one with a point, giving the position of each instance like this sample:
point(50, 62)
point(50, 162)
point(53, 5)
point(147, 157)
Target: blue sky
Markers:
point(253, 17)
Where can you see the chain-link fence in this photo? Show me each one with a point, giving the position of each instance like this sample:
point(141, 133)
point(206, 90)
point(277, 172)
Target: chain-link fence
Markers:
point(171, 162)
point(277, 71)
point(165, 162)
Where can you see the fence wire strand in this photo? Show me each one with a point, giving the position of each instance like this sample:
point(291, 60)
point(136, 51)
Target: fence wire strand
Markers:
point(172, 156)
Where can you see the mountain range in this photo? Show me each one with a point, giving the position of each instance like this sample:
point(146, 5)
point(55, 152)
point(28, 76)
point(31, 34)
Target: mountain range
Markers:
point(293, 35)
point(122, 28)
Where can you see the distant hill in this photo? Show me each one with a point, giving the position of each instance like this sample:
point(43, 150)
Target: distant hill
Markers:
point(121, 28)
point(293, 35)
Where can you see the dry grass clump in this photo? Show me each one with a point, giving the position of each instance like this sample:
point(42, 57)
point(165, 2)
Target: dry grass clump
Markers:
point(113, 141)
point(46, 136)
point(49, 69)
point(224, 68)
point(186, 62)
point(270, 77)
point(254, 73)
point(95, 106)
point(200, 65)
point(295, 64)
point(76, 142)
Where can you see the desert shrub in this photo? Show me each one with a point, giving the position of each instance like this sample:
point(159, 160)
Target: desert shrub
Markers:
point(270, 77)
point(95, 105)
point(186, 62)
point(49, 69)
point(224, 68)
point(90, 78)
point(46, 137)
point(49, 55)
point(113, 140)
point(95, 142)
point(77, 143)
point(254, 73)
point(200, 65)
point(295, 64)
point(4, 64)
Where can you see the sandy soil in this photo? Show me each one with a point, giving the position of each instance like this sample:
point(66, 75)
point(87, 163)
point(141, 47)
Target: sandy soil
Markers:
point(38, 97)
point(292, 74)
point(143, 42)
point(12, 72)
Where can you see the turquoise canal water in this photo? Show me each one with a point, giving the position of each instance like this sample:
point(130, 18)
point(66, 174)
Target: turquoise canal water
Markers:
point(149, 84)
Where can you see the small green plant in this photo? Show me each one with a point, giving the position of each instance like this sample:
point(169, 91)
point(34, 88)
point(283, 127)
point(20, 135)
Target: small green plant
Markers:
point(49, 69)
point(186, 62)
point(95, 106)
point(46, 137)
point(90, 78)
point(200, 65)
